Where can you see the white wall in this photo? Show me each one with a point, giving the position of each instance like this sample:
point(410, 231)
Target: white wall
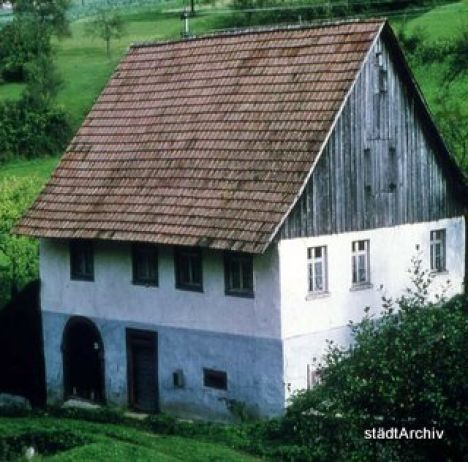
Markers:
point(112, 295)
point(391, 250)
point(308, 322)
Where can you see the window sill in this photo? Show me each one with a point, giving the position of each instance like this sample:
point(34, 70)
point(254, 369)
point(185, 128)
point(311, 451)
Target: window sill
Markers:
point(144, 284)
point(439, 273)
point(364, 286)
point(316, 295)
point(190, 288)
point(229, 293)
point(82, 279)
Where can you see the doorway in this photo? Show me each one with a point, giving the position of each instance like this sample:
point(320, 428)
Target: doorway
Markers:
point(142, 364)
point(83, 360)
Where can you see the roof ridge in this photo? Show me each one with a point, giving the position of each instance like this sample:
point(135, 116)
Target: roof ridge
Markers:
point(233, 32)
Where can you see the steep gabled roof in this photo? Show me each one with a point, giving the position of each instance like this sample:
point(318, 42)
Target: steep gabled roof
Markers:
point(205, 141)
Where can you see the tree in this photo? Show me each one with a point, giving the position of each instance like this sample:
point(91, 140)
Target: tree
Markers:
point(21, 41)
point(52, 13)
point(458, 58)
point(18, 255)
point(106, 25)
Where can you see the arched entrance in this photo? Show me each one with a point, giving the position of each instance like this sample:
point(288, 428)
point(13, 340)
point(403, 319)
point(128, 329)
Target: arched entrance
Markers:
point(83, 360)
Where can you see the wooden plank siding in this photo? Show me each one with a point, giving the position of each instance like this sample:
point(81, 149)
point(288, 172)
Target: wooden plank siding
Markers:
point(378, 168)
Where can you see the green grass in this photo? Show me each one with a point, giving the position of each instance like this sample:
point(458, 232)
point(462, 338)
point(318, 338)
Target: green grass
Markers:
point(443, 22)
point(39, 169)
point(114, 443)
point(11, 91)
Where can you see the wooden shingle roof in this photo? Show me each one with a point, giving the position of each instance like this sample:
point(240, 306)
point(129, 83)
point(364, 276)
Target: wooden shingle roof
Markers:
point(206, 141)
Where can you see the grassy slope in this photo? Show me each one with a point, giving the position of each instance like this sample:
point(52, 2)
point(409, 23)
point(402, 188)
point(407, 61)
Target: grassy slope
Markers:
point(118, 442)
point(442, 23)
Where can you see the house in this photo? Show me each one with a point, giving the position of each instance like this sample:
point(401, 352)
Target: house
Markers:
point(228, 205)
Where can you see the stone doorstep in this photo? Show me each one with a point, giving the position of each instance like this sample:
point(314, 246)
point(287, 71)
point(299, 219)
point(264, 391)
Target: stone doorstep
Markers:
point(80, 404)
point(136, 415)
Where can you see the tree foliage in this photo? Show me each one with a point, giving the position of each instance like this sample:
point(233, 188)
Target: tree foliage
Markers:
point(106, 25)
point(18, 255)
point(21, 41)
point(34, 126)
point(49, 13)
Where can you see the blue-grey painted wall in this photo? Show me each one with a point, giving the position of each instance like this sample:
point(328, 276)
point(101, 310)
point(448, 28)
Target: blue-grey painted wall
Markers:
point(254, 367)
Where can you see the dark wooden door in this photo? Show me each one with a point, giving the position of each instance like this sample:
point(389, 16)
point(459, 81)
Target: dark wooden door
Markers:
point(142, 360)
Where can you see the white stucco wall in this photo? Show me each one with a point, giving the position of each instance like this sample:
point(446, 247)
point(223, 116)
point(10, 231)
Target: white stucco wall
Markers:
point(308, 322)
point(113, 296)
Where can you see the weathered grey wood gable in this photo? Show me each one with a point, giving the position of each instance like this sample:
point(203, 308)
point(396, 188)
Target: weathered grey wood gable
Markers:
point(384, 163)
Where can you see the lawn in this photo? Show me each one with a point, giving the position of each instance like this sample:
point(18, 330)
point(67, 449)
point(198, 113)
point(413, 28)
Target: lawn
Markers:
point(66, 440)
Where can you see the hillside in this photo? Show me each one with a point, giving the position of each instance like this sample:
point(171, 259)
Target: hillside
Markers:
point(74, 440)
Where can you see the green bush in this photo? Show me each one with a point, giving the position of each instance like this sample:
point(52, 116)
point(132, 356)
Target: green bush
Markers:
point(21, 41)
point(46, 443)
point(405, 369)
point(18, 254)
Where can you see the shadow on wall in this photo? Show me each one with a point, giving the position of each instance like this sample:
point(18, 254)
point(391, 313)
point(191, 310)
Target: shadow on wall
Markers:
point(22, 369)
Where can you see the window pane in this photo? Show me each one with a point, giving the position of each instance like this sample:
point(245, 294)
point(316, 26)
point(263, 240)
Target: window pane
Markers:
point(318, 276)
point(362, 268)
point(81, 260)
point(185, 269)
point(238, 274)
point(355, 275)
point(311, 278)
point(235, 274)
point(247, 275)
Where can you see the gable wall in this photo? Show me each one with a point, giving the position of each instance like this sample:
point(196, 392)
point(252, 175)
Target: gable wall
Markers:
point(378, 168)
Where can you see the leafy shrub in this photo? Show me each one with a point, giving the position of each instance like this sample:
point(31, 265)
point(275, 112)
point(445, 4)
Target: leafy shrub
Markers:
point(105, 415)
point(21, 41)
point(28, 132)
point(405, 370)
point(18, 254)
point(46, 443)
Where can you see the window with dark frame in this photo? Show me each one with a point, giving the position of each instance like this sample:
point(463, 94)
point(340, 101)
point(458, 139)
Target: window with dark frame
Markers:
point(145, 265)
point(238, 274)
point(438, 251)
point(81, 260)
point(188, 268)
point(215, 379)
point(317, 269)
point(361, 263)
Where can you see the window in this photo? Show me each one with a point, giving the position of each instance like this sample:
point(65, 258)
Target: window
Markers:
point(81, 260)
point(238, 274)
point(145, 264)
point(392, 170)
point(360, 260)
point(188, 269)
point(178, 379)
point(438, 250)
point(215, 379)
point(313, 375)
point(382, 72)
point(317, 269)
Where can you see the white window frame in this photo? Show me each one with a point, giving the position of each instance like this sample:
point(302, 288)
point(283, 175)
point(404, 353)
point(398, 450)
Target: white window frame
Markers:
point(312, 260)
point(356, 259)
point(438, 247)
point(313, 376)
